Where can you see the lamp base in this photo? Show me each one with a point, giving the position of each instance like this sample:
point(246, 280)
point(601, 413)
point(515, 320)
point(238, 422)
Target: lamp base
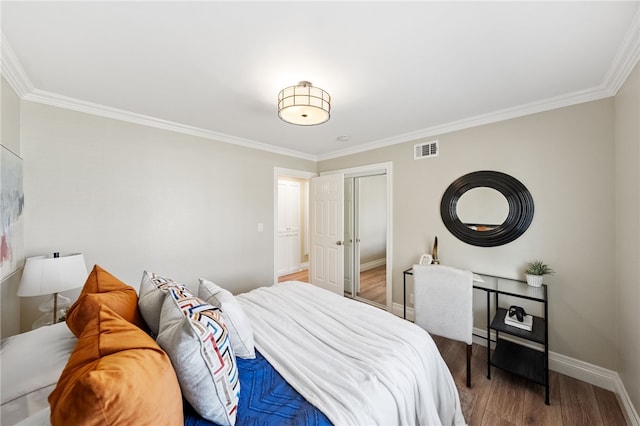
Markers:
point(63, 302)
point(47, 319)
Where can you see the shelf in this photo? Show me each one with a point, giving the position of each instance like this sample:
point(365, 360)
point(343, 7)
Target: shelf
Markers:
point(520, 360)
point(537, 333)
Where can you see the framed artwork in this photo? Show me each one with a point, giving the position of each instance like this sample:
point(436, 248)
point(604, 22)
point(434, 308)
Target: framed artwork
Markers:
point(11, 210)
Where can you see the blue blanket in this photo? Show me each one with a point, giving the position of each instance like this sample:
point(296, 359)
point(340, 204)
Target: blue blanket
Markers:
point(266, 399)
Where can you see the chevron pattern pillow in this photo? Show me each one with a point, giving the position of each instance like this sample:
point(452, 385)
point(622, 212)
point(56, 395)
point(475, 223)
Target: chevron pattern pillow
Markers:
point(196, 339)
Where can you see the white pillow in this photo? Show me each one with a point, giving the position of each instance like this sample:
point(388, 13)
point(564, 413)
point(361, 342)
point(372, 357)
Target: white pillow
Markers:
point(234, 317)
point(194, 336)
point(153, 289)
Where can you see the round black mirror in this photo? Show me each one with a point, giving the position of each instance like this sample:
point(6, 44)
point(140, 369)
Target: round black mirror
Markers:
point(518, 217)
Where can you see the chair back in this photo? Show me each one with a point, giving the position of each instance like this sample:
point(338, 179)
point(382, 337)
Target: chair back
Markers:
point(443, 301)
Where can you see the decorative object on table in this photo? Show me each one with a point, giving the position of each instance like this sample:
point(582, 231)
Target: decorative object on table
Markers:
point(517, 317)
point(52, 275)
point(434, 252)
point(426, 259)
point(535, 271)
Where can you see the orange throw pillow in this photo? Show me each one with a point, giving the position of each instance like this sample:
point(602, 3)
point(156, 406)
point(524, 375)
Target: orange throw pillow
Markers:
point(102, 288)
point(117, 374)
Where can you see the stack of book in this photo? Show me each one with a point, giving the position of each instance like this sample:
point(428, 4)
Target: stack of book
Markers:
point(525, 324)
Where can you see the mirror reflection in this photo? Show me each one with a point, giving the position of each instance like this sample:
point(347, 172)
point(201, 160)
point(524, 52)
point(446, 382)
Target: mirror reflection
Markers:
point(486, 208)
point(482, 208)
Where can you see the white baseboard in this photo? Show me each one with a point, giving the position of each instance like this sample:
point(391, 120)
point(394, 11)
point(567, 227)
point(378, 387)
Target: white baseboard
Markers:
point(372, 264)
point(589, 373)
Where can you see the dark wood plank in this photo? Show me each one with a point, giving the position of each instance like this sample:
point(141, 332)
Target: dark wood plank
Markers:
point(536, 412)
point(579, 404)
point(480, 386)
point(492, 419)
point(506, 399)
point(609, 407)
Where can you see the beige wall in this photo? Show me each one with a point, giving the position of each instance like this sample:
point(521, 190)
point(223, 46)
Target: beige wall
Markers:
point(10, 113)
point(565, 158)
point(132, 197)
point(627, 167)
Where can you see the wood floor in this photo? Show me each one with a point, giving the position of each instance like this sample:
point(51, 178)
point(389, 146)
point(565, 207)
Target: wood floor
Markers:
point(510, 400)
point(373, 283)
point(296, 276)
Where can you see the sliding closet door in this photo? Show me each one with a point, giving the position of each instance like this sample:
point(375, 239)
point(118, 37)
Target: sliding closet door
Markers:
point(349, 238)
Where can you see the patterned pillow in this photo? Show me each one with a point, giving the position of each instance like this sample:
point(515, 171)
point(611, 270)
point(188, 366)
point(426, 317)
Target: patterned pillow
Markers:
point(234, 317)
point(194, 336)
point(153, 289)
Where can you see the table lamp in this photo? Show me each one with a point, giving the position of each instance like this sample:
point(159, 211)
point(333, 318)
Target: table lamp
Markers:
point(51, 275)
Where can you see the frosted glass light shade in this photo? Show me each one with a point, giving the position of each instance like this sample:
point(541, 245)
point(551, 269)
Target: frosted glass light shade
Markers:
point(48, 274)
point(304, 105)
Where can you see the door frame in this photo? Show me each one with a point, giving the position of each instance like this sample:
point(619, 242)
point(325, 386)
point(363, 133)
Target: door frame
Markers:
point(388, 167)
point(279, 172)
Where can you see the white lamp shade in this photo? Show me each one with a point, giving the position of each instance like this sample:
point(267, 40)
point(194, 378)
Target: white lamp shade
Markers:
point(48, 274)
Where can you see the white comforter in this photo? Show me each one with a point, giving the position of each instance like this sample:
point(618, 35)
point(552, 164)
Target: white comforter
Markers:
point(358, 364)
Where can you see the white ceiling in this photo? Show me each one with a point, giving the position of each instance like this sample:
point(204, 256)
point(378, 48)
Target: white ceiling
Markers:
point(396, 71)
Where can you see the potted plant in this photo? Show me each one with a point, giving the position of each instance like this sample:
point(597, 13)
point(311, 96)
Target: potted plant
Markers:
point(535, 271)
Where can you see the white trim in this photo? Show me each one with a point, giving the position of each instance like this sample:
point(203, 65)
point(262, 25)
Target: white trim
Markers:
point(372, 264)
point(13, 71)
point(478, 120)
point(626, 58)
point(581, 370)
point(61, 101)
point(629, 411)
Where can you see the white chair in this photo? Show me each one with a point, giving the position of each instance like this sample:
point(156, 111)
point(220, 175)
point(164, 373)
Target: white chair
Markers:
point(443, 304)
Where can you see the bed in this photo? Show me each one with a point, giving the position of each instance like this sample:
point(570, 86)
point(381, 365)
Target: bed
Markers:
point(300, 355)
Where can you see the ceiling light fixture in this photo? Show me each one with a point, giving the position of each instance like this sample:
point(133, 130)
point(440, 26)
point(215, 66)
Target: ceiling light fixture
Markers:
point(304, 104)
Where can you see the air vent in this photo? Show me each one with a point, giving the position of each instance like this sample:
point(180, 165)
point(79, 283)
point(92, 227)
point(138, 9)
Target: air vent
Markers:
point(426, 150)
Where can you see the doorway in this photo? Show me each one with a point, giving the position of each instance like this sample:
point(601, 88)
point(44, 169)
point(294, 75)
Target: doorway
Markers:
point(291, 223)
point(365, 236)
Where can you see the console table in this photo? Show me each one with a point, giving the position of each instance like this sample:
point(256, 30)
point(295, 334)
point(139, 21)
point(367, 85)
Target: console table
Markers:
point(509, 355)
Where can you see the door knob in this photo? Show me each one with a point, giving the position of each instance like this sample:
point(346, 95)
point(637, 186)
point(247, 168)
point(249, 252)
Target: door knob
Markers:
point(338, 243)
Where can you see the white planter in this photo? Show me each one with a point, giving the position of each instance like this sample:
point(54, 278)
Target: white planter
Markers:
point(534, 280)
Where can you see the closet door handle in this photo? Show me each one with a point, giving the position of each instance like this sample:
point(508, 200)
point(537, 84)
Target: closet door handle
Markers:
point(338, 243)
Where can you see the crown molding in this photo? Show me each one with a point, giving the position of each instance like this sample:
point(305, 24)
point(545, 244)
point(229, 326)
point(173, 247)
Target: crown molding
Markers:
point(13, 71)
point(626, 58)
point(53, 99)
point(479, 120)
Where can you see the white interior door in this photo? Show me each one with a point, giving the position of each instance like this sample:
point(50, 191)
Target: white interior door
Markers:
point(289, 217)
point(326, 266)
